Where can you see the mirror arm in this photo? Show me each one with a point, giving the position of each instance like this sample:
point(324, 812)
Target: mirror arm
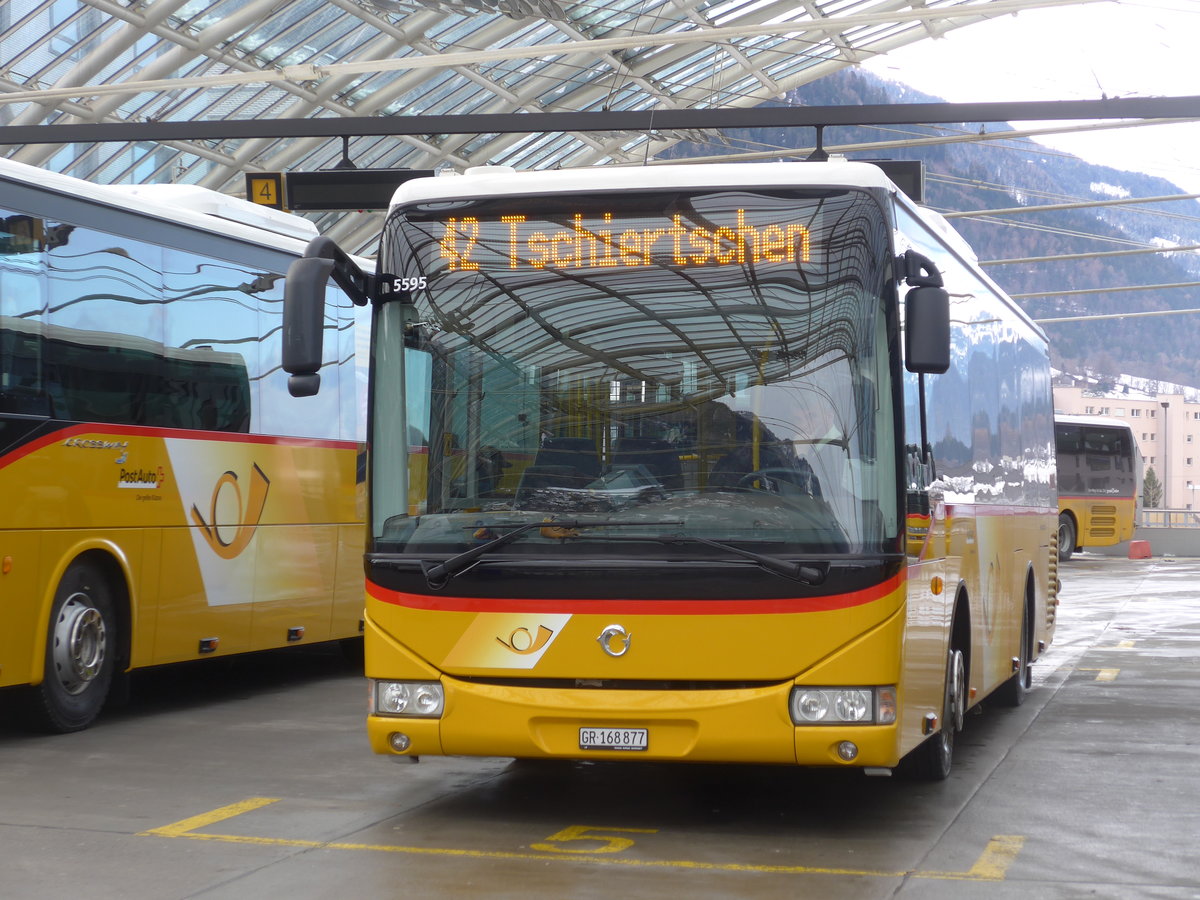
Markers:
point(926, 447)
point(357, 284)
point(919, 270)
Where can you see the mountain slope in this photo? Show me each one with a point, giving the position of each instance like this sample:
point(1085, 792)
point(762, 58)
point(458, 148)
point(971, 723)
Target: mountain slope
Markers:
point(1011, 173)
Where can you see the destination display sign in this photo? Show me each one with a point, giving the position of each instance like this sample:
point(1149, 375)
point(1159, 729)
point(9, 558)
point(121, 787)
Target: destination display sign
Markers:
point(516, 240)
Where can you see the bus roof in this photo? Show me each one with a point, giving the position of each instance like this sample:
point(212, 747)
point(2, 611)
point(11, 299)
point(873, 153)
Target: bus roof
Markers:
point(188, 205)
point(230, 209)
point(489, 181)
point(1079, 419)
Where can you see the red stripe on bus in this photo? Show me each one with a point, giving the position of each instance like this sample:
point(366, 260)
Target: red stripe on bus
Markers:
point(626, 607)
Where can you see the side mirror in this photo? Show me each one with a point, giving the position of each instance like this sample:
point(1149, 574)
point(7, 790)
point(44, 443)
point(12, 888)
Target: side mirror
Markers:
point(303, 323)
point(927, 330)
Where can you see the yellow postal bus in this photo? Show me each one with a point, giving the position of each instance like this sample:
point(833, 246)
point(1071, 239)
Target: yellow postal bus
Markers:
point(739, 463)
point(1099, 470)
point(166, 499)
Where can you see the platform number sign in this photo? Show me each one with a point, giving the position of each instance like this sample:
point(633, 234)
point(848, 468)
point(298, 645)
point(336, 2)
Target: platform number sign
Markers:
point(265, 188)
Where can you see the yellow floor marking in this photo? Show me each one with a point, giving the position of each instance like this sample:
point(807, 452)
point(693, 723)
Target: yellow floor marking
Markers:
point(997, 856)
point(992, 864)
point(182, 829)
point(1103, 674)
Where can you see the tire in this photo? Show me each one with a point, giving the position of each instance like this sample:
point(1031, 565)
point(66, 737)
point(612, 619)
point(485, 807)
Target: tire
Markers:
point(1067, 537)
point(81, 653)
point(932, 760)
point(1013, 691)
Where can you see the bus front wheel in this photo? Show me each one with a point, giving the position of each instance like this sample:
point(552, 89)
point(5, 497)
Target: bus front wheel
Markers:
point(932, 760)
point(1066, 537)
point(80, 653)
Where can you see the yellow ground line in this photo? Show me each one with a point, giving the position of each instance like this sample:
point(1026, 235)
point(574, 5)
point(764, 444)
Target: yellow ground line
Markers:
point(997, 856)
point(992, 864)
point(1103, 674)
point(184, 827)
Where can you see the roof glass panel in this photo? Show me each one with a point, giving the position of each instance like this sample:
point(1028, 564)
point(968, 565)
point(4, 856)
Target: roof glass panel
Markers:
point(189, 43)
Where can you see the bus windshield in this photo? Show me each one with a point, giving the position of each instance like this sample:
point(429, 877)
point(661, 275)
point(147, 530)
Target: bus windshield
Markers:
point(1096, 460)
point(647, 367)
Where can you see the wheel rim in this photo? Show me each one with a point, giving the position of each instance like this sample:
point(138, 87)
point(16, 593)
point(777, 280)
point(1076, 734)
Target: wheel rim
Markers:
point(958, 690)
point(79, 643)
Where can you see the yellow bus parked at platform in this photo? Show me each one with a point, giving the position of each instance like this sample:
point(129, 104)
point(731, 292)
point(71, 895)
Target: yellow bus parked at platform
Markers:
point(166, 499)
point(1099, 482)
point(731, 463)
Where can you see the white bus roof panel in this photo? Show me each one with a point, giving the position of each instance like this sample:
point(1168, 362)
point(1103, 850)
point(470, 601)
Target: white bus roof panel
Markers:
point(498, 181)
point(1079, 419)
point(187, 205)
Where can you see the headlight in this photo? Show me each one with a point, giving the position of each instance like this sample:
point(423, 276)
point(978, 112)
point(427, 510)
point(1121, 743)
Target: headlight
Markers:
point(843, 705)
point(423, 699)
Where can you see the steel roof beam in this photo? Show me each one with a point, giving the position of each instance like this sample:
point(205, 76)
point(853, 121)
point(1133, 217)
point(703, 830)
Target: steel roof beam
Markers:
point(635, 121)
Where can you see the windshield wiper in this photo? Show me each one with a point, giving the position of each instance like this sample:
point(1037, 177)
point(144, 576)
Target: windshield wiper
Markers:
point(804, 572)
point(437, 574)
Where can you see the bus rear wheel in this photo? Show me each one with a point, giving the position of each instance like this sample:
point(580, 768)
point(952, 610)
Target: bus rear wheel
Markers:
point(80, 653)
point(1013, 691)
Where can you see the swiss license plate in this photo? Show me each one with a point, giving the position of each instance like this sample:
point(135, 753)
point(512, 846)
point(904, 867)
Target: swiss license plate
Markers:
point(613, 738)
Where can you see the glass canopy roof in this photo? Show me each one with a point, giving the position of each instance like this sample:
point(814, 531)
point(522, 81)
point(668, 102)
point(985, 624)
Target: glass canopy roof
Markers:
point(106, 61)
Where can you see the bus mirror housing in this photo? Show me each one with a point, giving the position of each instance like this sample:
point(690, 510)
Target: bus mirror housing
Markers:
point(926, 315)
point(303, 323)
point(927, 330)
point(304, 308)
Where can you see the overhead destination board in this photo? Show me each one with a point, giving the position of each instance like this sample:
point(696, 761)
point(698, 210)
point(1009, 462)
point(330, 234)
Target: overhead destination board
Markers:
point(329, 189)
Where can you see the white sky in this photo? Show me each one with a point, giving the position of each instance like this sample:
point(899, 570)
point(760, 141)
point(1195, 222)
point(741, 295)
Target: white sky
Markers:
point(1123, 48)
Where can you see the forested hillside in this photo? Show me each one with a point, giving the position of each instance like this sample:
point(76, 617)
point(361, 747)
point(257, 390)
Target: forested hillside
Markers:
point(994, 175)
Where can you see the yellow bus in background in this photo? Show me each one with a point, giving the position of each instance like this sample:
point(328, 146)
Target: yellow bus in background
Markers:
point(166, 499)
point(1099, 482)
point(719, 463)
